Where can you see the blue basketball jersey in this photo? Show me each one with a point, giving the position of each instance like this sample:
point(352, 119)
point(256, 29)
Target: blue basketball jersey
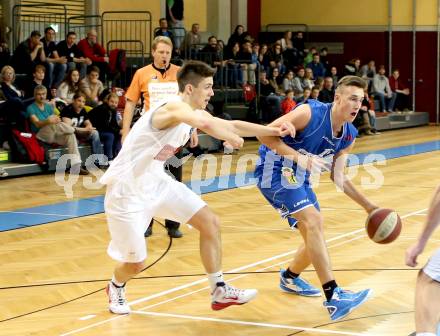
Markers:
point(317, 139)
point(287, 188)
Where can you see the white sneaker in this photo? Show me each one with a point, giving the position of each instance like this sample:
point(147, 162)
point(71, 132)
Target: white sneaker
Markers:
point(225, 296)
point(116, 298)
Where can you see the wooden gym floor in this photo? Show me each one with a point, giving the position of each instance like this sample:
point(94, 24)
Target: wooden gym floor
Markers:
point(53, 275)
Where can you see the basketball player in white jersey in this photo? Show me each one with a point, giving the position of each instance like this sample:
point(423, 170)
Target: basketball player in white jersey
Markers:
point(138, 187)
point(427, 310)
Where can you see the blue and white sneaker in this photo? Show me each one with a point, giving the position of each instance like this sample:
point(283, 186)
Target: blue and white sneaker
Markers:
point(297, 286)
point(343, 302)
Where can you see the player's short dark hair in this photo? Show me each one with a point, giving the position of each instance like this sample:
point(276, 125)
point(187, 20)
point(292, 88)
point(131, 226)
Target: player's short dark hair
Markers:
point(193, 72)
point(352, 81)
point(70, 33)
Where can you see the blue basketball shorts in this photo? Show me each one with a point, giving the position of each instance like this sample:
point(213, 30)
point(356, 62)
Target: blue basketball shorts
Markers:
point(285, 193)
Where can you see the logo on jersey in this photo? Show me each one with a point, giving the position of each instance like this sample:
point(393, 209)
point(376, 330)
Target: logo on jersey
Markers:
point(289, 175)
point(349, 137)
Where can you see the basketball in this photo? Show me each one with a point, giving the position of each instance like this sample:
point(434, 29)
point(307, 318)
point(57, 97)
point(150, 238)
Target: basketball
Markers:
point(383, 226)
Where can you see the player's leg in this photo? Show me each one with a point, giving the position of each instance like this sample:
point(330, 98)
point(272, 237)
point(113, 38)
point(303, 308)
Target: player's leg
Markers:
point(339, 302)
point(126, 219)
point(427, 302)
point(184, 206)
point(223, 295)
point(310, 224)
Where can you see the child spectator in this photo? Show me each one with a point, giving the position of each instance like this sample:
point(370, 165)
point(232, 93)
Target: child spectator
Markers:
point(288, 104)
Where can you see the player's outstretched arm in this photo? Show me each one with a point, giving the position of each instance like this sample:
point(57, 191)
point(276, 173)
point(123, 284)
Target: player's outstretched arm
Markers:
point(175, 113)
point(432, 222)
point(338, 176)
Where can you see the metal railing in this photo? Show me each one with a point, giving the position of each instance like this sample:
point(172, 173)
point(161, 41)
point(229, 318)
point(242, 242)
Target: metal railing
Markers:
point(27, 18)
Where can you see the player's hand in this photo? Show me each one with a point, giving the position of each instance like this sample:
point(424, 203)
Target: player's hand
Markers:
point(412, 253)
point(194, 139)
point(313, 163)
point(234, 142)
point(287, 128)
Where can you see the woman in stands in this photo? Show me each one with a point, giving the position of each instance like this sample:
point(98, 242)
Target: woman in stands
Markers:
point(69, 86)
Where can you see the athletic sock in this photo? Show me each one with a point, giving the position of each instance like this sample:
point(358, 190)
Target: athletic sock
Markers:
point(329, 288)
point(116, 283)
point(216, 279)
point(289, 274)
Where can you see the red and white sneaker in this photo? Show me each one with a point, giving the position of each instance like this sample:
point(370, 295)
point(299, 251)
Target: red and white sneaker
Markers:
point(225, 296)
point(116, 298)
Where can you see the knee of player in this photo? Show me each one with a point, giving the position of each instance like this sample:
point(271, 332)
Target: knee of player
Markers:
point(213, 225)
point(313, 222)
point(136, 268)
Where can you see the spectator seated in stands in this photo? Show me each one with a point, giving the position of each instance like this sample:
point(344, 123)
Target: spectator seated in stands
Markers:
point(263, 57)
point(105, 118)
point(308, 78)
point(368, 71)
point(270, 102)
point(317, 67)
point(75, 58)
point(327, 94)
point(323, 58)
point(288, 104)
point(50, 129)
point(276, 59)
point(289, 81)
point(28, 54)
point(238, 36)
point(92, 50)
point(56, 66)
point(76, 116)
point(235, 74)
point(314, 94)
point(164, 31)
point(299, 82)
point(92, 87)
point(381, 89)
point(401, 91)
point(334, 76)
point(38, 78)
point(211, 55)
point(276, 82)
point(191, 42)
point(362, 121)
point(352, 68)
point(309, 55)
point(305, 95)
point(247, 65)
point(69, 87)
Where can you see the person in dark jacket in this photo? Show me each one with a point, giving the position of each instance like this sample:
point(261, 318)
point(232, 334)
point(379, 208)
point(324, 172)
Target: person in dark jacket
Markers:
point(106, 121)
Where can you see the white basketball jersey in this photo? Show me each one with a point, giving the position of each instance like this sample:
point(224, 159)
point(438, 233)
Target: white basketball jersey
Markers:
point(146, 149)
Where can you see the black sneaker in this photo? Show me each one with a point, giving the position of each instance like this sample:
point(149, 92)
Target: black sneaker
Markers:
point(175, 233)
point(149, 231)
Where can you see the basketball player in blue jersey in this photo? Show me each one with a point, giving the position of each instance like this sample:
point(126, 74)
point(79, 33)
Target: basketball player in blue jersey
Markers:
point(324, 136)
point(427, 312)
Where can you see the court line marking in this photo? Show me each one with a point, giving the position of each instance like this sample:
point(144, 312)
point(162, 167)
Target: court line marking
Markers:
point(257, 324)
point(231, 271)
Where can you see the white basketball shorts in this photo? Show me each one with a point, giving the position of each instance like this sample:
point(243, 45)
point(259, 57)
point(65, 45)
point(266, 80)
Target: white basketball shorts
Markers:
point(432, 268)
point(129, 210)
